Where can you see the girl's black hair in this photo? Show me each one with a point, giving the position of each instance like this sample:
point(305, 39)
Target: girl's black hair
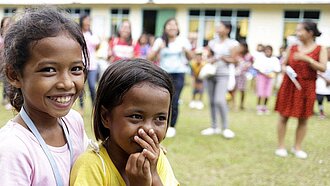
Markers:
point(245, 45)
point(310, 26)
point(33, 25)
point(165, 36)
point(118, 79)
point(81, 20)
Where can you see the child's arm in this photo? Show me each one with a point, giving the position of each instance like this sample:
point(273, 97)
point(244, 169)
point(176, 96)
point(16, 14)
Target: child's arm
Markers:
point(233, 57)
point(158, 45)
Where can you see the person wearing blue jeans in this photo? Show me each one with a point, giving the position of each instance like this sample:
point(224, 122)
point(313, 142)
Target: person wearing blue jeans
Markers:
point(174, 53)
point(178, 81)
point(93, 44)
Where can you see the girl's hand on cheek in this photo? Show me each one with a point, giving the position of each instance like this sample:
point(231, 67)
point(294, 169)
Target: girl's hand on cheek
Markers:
point(138, 170)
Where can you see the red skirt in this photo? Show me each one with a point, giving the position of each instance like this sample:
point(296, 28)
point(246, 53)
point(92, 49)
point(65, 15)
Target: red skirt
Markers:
point(292, 102)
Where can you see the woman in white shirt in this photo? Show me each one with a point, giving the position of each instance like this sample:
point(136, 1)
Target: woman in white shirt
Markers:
point(173, 53)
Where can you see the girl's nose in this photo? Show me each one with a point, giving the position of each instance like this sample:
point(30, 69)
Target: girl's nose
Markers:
point(148, 124)
point(65, 82)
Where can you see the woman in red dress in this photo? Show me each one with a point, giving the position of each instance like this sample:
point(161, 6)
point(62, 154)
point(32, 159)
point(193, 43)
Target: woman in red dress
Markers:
point(297, 100)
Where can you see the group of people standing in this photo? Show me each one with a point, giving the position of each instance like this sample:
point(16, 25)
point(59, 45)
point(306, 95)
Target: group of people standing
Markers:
point(296, 71)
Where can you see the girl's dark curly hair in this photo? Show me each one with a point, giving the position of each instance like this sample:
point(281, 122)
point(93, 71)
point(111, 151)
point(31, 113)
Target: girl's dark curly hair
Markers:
point(28, 28)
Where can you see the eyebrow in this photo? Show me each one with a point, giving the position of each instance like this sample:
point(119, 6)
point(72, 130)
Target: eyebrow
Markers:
point(141, 111)
point(55, 63)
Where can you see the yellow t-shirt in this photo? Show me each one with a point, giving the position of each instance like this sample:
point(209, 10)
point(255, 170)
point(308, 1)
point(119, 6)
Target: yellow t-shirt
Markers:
point(89, 170)
point(196, 67)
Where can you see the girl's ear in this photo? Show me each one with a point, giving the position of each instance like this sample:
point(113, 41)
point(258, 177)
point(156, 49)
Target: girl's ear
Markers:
point(13, 77)
point(105, 117)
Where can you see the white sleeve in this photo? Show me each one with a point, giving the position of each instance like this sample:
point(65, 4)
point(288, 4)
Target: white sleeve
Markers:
point(211, 44)
point(157, 44)
point(234, 43)
point(277, 64)
point(187, 44)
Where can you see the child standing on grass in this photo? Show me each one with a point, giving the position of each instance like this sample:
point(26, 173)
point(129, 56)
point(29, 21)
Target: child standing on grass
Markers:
point(244, 64)
point(45, 63)
point(196, 65)
point(266, 67)
point(131, 115)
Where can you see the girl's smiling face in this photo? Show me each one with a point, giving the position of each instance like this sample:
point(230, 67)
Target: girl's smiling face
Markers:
point(125, 29)
point(222, 30)
point(52, 77)
point(171, 28)
point(145, 106)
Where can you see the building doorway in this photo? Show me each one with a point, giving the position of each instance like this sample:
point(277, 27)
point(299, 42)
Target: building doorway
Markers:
point(149, 21)
point(153, 20)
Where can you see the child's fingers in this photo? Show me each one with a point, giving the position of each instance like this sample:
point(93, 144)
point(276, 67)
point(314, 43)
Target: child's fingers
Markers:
point(131, 162)
point(149, 155)
point(138, 169)
point(142, 143)
point(153, 135)
point(135, 162)
point(146, 141)
point(146, 167)
point(140, 161)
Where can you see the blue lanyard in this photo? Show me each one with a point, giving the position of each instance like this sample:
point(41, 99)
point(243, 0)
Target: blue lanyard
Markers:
point(34, 130)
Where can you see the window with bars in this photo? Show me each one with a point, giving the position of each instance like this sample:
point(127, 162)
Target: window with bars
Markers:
point(118, 15)
point(77, 12)
point(293, 17)
point(8, 12)
point(203, 23)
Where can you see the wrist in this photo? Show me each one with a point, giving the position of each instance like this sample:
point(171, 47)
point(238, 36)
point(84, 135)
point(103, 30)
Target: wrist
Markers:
point(156, 181)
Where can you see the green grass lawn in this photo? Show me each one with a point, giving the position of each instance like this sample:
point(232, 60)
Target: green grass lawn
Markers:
point(249, 158)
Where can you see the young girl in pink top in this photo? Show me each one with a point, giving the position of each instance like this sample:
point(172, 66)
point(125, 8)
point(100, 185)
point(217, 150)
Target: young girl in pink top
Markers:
point(266, 67)
point(45, 63)
point(122, 46)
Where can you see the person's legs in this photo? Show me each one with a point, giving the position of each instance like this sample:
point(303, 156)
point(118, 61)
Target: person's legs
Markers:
point(268, 88)
point(211, 84)
point(178, 80)
point(91, 80)
point(260, 92)
point(242, 100)
point(265, 109)
point(220, 99)
point(281, 131)
point(300, 133)
point(319, 99)
point(266, 101)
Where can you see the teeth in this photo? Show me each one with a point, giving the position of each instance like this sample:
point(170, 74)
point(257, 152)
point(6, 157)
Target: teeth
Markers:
point(64, 99)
